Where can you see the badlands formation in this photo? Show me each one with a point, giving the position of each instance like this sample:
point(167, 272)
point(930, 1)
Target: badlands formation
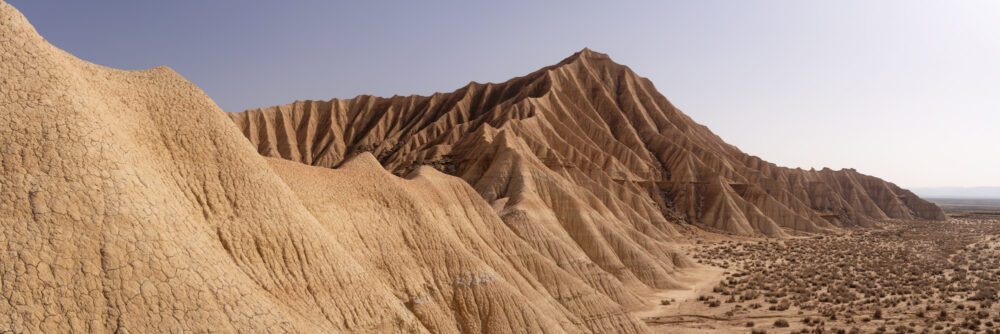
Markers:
point(586, 143)
point(552, 203)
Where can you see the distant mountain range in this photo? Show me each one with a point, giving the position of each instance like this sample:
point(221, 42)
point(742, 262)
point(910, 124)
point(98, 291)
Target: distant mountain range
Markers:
point(958, 192)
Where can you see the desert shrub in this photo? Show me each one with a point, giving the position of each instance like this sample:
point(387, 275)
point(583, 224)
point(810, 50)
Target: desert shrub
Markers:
point(781, 323)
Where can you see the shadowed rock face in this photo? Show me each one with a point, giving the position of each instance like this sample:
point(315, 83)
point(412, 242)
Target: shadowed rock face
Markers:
point(579, 146)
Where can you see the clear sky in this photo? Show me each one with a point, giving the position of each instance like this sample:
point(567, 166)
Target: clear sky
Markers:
point(907, 90)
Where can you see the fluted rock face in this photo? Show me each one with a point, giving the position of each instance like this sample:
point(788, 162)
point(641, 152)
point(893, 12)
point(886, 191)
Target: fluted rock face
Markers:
point(580, 147)
point(446, 253)
point(129, 202)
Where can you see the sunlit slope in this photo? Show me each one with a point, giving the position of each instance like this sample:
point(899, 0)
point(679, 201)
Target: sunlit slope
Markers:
point(585, 145)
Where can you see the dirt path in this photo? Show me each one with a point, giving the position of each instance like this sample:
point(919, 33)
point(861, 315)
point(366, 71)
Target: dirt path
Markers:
point(683, 301)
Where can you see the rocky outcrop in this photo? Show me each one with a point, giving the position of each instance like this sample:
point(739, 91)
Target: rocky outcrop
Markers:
point(129, 202)
point(446, 254)
point(597, 142)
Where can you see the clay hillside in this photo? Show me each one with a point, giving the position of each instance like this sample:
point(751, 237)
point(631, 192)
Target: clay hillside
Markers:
point(129, 202)
point(581, 144)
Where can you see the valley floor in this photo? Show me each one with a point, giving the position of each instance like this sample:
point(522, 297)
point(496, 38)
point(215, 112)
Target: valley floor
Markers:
point(909, 277)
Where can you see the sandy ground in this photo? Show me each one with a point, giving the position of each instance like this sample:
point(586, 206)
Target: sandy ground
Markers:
point(909, 277)
point(683, 305)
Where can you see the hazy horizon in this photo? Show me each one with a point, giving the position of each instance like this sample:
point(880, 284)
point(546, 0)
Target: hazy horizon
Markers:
point(901, 90)
point(958, 192)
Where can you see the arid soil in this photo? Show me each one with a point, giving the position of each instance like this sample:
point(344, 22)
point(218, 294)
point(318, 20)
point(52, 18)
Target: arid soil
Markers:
point(559, 202)
point(910, 277)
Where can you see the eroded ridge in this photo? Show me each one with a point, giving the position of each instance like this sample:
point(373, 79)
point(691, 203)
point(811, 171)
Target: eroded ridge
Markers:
point(593, 125)
point(551, 203)
point(129, 202)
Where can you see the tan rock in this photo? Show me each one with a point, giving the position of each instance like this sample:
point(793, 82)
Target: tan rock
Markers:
point(590, 128)
point(130, 202)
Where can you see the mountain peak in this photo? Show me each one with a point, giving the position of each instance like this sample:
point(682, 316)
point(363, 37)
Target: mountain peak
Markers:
point(600, 119)
point(585, 53)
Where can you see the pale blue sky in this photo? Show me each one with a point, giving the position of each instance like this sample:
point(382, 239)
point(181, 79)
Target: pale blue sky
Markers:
point(906, 90)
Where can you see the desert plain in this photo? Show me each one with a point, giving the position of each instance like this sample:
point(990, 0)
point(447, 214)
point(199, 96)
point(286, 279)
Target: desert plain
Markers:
point(904, 277)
